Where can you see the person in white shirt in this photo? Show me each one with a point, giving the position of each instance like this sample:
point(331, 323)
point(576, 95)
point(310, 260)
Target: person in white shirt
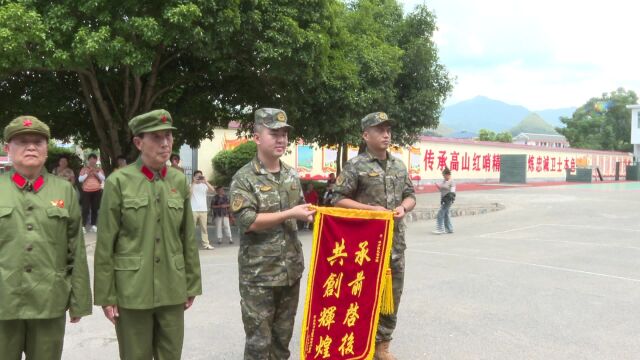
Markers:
point(199, 189)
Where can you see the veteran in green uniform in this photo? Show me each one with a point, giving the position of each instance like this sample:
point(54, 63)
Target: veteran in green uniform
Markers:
point(375, 180)
point(266, 201)
point(43, 264)
point(147, 269)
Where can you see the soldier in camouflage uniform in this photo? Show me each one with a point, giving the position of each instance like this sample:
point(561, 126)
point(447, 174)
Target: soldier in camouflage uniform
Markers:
point(266, 201)
point(375, 180)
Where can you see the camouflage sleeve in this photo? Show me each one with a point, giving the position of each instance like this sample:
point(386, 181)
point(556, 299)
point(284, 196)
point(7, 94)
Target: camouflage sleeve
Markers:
point(346, 183)
point(408, 191)
point(243, 204)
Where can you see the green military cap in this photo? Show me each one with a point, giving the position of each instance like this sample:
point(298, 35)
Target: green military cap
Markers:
point(374, 119)
point(271, 118)
point(26, 125)
point(152, 121)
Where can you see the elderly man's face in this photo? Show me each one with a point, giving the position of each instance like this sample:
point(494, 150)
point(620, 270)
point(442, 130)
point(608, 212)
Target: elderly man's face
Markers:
point(27, 150)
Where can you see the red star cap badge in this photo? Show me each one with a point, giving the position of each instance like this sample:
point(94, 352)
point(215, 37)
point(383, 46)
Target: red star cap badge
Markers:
point(26, 123)
point(164, 118)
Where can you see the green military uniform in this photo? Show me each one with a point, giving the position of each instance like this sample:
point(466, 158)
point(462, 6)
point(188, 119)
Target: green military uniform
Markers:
point(383, 183)
point(43, 264)
point(270, 261)
point(146, 259)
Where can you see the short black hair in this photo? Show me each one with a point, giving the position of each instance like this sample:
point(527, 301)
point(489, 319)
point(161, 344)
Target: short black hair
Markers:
point(121, 157)
point(197, 172)
point(63, 156)
point(446, 171)
point(92, 156)
point(174, 156)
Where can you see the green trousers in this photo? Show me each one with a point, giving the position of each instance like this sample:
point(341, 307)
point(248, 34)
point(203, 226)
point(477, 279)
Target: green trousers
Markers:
point(39, 339)
point(151, 334)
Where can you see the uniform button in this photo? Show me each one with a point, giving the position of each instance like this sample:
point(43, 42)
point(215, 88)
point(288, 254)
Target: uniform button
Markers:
point(157, 239)
point(158, 220)
point(30, 208)
point(157, 260)
point(30, 247)
point(158, 198)
point(29, 227)
point(28, 268)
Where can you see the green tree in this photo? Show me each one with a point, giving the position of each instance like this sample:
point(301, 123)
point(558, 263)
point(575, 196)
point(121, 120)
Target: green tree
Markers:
point(227, 162)
point(89, 67)
point(504, 137)
point(603, 123)
point(379, 60)
point(486, 135)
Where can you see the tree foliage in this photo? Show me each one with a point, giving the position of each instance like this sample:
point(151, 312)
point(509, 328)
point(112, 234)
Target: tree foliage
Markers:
point(227, 162)
point(603, 123)
point(87, 67)
point(488, 135)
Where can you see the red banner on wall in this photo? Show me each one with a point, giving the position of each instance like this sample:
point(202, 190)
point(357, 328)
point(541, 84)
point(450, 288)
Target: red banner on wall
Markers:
point(346, 277)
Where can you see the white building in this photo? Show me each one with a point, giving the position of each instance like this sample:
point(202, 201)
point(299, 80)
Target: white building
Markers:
point(542, 140)
point(635, 130)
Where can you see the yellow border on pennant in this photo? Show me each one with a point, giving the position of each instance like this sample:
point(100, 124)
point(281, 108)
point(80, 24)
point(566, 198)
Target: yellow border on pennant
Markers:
point(317, 225)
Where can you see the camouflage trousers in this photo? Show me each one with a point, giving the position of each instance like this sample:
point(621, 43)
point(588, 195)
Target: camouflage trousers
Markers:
point(268, 314)
point(387, 323)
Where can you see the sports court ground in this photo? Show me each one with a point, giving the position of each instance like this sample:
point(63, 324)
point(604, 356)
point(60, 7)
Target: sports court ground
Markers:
point(555, 275)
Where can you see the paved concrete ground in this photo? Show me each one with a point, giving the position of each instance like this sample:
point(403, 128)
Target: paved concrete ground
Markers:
point(556, 275)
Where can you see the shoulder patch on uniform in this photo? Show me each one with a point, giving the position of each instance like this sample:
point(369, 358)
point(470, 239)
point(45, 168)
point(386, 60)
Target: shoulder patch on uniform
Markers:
point(294, 186)
point(373, 173)
point(340, 180)
point(237, 202)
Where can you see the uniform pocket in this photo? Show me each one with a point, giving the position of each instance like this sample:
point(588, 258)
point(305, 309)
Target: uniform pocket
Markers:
point(56, 212)
point(126, 263)
point(178, 260)
point(5, 218)
point(262, 263)
point(56, 225)
point(133, 212)
point(128, 278)
point(135, 203)
point(5, 212)
point(176, 204)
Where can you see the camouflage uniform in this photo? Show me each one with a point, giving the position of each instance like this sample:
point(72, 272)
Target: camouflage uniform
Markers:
point(270, 261)
point(364, 180)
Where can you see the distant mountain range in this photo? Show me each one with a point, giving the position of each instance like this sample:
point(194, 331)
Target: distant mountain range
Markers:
point(484, 113)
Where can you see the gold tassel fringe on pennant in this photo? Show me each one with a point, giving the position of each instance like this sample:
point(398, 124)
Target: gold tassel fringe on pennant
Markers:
point(387, 307)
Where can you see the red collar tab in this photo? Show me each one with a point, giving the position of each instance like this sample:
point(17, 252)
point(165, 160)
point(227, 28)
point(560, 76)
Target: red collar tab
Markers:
point(151, 175)
point(24, 184)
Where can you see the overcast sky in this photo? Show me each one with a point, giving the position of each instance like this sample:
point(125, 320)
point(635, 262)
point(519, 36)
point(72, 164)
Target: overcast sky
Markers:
point(540, 54)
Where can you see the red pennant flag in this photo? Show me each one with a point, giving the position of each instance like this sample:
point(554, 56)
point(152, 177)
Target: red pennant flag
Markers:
point(349, 260)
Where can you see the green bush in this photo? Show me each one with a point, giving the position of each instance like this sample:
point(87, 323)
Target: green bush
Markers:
point(227, 162)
